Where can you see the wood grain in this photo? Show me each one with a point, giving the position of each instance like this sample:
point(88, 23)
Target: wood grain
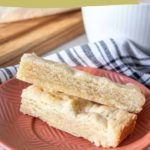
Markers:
point(49, 44)
point(40, 36)
point(12, 30)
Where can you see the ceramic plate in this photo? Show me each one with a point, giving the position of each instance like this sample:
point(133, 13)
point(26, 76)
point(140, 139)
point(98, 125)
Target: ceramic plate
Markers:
point(22, 132)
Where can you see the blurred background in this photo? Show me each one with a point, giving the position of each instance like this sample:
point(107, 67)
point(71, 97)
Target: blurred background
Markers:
point(42, 31)
point(45, 31)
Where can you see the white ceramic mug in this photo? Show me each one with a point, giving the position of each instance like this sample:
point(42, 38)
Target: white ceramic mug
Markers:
point(127, 21)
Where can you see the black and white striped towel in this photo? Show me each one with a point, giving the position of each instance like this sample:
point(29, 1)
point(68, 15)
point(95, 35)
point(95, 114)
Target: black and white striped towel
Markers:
point(118, 55)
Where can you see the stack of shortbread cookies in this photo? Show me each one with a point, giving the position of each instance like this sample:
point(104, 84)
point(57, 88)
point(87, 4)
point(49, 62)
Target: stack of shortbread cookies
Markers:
point(79, 103)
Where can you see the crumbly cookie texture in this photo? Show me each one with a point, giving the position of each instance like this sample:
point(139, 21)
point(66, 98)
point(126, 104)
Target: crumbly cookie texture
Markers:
point(102, 125)
point(60, 77)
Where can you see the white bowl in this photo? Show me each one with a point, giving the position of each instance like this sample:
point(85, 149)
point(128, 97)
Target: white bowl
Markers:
point(127, 21)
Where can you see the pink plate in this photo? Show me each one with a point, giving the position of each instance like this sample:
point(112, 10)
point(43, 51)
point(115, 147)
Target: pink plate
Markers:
point(22, 132)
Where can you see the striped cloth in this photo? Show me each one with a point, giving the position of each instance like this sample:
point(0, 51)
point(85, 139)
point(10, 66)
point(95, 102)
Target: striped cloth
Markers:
point(118, 55)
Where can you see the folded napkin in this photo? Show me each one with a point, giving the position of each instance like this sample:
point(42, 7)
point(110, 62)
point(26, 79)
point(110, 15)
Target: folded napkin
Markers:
point(120, 55)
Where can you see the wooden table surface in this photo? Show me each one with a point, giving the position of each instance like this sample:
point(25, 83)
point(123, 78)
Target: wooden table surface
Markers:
point(37, 35)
